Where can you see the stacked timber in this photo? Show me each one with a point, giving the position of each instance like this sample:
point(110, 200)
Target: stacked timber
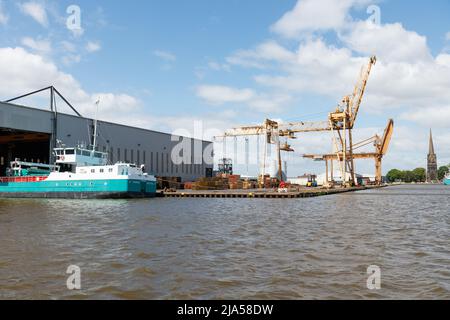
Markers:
point(188, 185)
point(248, 184)
point(169, 183)
point(239, 185)
point(235, 182)
point(216, 183)
point(264, 181)
point(267, 182)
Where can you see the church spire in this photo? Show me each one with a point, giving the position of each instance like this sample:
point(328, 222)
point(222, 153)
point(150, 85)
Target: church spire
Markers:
point(431, 152)
point(432, 172)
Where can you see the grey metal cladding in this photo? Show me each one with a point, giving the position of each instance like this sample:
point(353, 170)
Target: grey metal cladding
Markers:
point(73, 130)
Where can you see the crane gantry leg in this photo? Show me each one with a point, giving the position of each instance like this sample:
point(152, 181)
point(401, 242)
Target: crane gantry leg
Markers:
point(351, 161)
point(235, 155)
point(247, 154)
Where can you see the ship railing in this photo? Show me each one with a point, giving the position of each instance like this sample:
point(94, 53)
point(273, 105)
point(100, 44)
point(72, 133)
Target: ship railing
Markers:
point(21, 179)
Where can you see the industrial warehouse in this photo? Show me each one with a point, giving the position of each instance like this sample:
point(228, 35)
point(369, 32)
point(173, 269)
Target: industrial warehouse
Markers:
point(30, 134)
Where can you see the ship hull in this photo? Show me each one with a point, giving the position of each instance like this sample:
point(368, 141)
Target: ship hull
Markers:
point(76, 195)
point(69, 189)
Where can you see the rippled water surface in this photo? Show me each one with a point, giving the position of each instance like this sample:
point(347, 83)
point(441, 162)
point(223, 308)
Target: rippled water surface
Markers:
point(230, 248)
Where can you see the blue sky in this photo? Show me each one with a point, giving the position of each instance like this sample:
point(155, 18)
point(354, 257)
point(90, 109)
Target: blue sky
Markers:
point(164, 64)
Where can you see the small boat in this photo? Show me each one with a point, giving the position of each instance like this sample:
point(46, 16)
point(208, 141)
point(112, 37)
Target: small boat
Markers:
point(447, 179)
point(79, 173)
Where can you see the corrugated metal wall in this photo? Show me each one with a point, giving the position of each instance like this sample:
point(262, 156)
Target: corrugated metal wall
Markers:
point(124, 143)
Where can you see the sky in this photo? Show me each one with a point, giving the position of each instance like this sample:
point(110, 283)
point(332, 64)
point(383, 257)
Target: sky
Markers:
point(175, 66)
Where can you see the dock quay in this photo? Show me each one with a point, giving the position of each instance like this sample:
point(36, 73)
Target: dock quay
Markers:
point(260, 194)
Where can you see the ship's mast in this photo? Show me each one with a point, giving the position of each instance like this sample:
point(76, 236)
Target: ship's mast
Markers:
point(94, 147)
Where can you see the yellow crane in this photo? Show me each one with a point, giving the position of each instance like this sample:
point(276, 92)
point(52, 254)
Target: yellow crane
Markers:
point(340, 123)
point(381, 145)
point(270, 130)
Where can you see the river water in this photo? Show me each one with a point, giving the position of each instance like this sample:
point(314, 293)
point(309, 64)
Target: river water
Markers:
point(317, 248)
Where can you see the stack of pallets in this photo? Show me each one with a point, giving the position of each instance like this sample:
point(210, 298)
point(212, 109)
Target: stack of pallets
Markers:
point(248, 184)
point(169, 183)
point(235, 182)
point(216, 183)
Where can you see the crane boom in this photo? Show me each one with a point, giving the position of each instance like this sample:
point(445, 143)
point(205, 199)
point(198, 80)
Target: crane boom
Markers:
point(381, 147)
point(287, 129)
point(339, 156)
point(269, 127)
point(387, 136)
point(360, 88)
point(339, 122)
point(244, 131)
point(337, 118)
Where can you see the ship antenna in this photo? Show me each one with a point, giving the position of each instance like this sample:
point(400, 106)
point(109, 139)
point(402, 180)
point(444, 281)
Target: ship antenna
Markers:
point(96, 125)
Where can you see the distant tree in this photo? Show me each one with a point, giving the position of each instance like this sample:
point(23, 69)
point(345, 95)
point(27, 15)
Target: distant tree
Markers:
point(409, 176)
point(442, 172)
point(420, 175)
point(394, 175)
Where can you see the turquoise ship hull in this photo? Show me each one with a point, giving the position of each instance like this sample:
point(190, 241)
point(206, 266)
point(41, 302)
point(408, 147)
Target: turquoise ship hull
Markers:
point(81, 189)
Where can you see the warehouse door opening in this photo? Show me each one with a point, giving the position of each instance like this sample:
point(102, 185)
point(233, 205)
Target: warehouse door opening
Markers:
point(23, 145)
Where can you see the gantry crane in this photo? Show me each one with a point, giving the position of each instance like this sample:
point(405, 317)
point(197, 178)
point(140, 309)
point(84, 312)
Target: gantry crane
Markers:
point(270, 129)
point(340, 123)
point(381, 145)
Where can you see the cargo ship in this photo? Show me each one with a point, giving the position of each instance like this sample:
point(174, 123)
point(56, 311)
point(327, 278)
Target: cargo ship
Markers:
point(79, 173)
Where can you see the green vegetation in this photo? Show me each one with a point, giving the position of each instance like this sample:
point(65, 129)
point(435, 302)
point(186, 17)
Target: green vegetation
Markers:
point(417, 175)
point(443, 171)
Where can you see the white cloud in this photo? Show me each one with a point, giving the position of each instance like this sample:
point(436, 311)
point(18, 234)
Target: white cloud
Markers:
point(270, 103)
point(23, 72)
point(3, 16)
point(264, 102)
point(263, 54)
point(70, 59)
point(221, 94)
point(165, 55)
point(315, 15)
point(213, 65)
point(115, 102)
point(326, 70)
point(317, 68)
point(68, 46)
point(407, 76)
point(443, 60)
point(36, 11)
point(408, 83)
point(78, 32)
point(390, 42)
point(30, 72)
point(433, 117)
point(42, 46)
point(93, 46)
